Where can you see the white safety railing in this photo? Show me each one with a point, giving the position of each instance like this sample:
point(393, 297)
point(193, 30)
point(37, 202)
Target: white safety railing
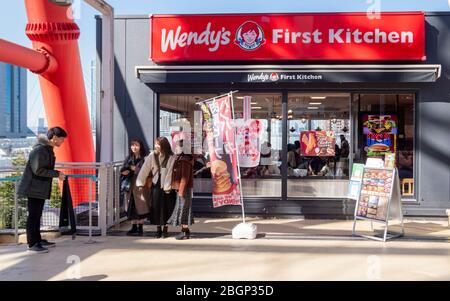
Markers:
point(97, 201)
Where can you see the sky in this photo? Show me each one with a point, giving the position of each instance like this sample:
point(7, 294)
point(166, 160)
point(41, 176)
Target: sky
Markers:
point(13, 20)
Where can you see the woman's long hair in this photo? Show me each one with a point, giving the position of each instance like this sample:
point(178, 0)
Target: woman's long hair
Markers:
point(142, 150)
point(166, 149)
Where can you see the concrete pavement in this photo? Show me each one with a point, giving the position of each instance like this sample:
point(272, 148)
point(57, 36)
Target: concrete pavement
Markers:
point(285, 250)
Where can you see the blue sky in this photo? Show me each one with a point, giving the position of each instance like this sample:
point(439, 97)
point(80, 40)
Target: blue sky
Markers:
point(13, 20)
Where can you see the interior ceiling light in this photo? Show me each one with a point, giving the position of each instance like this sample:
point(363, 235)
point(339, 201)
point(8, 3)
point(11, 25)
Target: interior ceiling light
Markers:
point(313, 108)
point(315, 103)
point(317, 97)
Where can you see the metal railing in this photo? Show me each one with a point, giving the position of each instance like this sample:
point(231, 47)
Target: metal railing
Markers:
point(97, 201)
point(12, 210)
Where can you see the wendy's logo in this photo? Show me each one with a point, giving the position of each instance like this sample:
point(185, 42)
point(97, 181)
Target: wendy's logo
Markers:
point(250, 36)
point(274, 77)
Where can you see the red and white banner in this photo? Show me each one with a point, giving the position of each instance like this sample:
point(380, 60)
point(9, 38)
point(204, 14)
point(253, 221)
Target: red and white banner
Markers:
point(217, 114)
point(266, 37)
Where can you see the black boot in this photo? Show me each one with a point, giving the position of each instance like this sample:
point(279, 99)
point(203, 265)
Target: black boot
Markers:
point(141, 230)
point(133, 231)
point(158, 232)
point(185, 234)
point(165, 233)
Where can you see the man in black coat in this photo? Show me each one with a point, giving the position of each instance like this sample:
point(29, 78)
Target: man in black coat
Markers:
point(36, 184)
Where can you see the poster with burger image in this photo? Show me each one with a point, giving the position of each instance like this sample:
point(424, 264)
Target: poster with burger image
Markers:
point(381, 134)
point(218, 118)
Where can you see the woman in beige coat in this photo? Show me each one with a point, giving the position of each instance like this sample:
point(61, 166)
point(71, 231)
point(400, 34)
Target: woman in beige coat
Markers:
point(158, 165)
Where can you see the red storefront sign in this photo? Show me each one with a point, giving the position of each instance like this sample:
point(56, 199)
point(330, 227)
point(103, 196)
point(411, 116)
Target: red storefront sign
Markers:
point(326, 36)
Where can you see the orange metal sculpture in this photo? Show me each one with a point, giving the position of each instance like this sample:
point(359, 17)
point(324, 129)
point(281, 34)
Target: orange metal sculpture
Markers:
point(56, 59)
point(63, 91)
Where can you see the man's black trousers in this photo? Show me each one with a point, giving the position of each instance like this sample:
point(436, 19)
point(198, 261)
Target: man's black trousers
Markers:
point(35, 207)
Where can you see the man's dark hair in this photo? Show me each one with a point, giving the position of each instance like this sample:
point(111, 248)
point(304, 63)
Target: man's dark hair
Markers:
point(56, 131)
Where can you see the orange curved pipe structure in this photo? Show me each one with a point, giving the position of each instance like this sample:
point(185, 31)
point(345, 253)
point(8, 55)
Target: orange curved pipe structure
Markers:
point(35, 61)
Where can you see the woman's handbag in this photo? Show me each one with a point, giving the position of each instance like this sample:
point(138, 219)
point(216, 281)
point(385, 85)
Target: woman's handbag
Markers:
point(149, 181)
point(125, 184)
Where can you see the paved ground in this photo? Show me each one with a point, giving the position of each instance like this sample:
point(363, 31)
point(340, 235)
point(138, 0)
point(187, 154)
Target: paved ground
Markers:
point(285, 249)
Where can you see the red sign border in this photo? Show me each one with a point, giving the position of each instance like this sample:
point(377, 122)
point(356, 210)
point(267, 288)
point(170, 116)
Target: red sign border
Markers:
point(162, 62)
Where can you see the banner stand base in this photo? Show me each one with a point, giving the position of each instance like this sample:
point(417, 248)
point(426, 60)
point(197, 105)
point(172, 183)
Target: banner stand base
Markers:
point(244, 230)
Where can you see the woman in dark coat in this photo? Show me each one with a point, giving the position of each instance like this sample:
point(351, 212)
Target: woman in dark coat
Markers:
point(135, 200)
point(182, 183)
point(158, 167)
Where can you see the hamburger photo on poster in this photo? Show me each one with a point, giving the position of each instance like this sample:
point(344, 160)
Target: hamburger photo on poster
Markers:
point(380, 133)
point(220, 136)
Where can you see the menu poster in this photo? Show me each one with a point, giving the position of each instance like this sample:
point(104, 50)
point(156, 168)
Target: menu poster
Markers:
point(375, 194)
point(353, 189)
point(317, 143)
point(357, 172)
point(247, 142)
point(187, 140)
point(381, 134)
point(389, 160)
point(354, 185)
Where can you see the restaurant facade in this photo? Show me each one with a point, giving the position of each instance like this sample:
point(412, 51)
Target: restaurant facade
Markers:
point(372, 84)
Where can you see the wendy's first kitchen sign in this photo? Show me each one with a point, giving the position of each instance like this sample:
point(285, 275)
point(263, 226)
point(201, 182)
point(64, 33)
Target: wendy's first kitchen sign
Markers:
point(266, 37)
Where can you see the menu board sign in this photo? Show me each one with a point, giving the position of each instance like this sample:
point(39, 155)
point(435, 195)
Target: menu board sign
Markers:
point(376, 191)
point(317, 143)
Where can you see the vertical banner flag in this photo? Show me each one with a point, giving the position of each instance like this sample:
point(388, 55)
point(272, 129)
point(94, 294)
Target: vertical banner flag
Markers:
point(218, 118)
point(247, 136)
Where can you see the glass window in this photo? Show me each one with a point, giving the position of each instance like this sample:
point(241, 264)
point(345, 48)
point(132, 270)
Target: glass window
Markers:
point(386, 126)
point(179, 114)
point(259, 126)
point(319, 144)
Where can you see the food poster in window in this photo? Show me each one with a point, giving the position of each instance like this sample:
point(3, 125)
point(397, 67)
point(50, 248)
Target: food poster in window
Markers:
point(248, 137)
point(186, 137)
point(318, 143)
point(217, 115)
point(380, 134)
